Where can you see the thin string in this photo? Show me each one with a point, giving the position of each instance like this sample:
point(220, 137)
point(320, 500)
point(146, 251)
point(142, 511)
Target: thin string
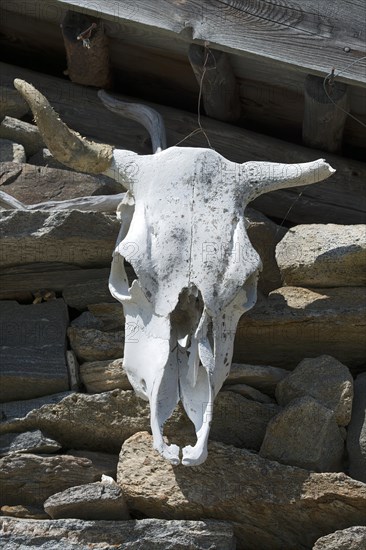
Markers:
point(200, 128)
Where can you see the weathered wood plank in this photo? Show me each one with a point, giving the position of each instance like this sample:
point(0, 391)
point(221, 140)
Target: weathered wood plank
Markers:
point(314, 36)
point(340, 200)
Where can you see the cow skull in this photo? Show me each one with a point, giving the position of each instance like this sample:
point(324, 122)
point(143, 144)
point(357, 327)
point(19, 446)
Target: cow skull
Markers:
point(183, 231)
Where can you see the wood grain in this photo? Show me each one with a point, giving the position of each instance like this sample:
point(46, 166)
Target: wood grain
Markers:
point(313, 36)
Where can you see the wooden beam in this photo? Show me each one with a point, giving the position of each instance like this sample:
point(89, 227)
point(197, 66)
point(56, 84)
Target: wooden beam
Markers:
point(220, 91)
point(339, 200)
point(87, 50)
point(313, 36)
point(325, 113)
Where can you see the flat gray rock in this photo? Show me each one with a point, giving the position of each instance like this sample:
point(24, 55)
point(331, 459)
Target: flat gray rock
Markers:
point(84, 239)
point(356, 433)
point(11, 103)
point(326, 380)
point(33, 349)
point(305, 434)
point(36, 184)
point(353, 538)
point(31, 479)
point(21, 132)
point(102, 500)
point(326, 255)
point(27, 442)
point(149, 534)
point(90, 344)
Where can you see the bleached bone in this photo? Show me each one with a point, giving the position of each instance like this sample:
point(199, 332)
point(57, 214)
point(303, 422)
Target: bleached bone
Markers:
point(183, 231)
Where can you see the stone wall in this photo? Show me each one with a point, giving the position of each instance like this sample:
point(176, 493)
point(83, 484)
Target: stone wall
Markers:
point(287, 457)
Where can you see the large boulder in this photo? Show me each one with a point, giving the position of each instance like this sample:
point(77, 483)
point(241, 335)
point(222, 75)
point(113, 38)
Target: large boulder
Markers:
point(326, 380)
point(353, 538)
point(293, 323)
point(102, 500)
point(356, 433)
point(154, 534)
point(85, 239)
point(323, 256)
point(271, 506)
point(305, 434)
point(33, 349)
point(33, 184)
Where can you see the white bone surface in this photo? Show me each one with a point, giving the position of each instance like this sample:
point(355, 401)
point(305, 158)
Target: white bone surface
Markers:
point(183, 231)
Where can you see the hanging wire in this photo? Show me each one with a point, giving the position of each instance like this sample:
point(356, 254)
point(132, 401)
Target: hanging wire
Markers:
point(200, 128)
point(329, 79)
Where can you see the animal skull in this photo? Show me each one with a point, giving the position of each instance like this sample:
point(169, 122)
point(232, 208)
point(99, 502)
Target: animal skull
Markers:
point(183, 231)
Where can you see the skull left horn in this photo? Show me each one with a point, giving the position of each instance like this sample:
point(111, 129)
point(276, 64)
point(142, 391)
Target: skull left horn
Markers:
point(66, 145)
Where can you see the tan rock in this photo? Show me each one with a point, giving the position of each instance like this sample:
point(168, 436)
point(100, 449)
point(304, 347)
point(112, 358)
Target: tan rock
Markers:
point(20, 511)
point(271, 506)
point(99, 422)
point(102, 500)
point(293, 323)
point(30, 479)
point(100, 376)
point(326, 380)
point(326, 255)
point(157, 534)
point(304, 434)
point(353, 538)
point(95, 345)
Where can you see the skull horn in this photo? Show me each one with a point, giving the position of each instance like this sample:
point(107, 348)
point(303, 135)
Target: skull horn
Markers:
point(66, 145)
